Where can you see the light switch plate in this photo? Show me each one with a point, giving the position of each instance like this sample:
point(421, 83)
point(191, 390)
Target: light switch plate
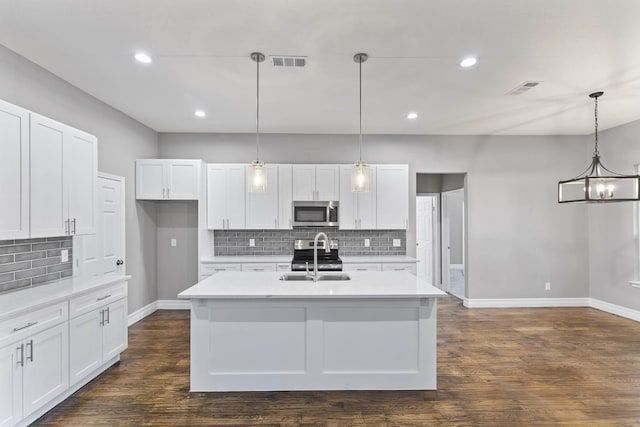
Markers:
point(252, 242)
point(64, 255)
point(174, 243)
point(367, 243)
point(396, 243)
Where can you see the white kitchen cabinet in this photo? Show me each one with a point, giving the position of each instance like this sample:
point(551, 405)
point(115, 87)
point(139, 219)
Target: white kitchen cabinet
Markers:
point(168, 179)
point(262, 208)
point(96, 337)
point(357, 210)
point(392, 197)
point(316, 182)
point(14, 172)
point(63, 179)
point(285, 197)
point(411, 267)
point(34, 371)
point(226, 193)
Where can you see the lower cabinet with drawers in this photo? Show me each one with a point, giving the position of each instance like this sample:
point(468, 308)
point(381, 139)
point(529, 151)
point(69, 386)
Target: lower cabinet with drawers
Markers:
point(48, 353)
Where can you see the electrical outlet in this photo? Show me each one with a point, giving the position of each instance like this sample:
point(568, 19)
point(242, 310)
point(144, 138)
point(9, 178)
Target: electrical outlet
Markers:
point(64, 255)
point(252, 242)
point(547, 286)
point(174, 243)
point(367, 243)
point(396, 243)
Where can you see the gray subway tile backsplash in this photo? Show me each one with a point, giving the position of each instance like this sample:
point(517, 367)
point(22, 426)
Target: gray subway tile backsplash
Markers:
point(280, 242)
point(30, 262)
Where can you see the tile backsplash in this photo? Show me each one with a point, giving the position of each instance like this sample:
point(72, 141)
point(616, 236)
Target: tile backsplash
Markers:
point(33, 262)
point(280, 242)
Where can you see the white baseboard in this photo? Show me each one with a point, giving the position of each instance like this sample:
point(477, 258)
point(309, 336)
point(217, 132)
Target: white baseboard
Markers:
point(525, 302)
point(173, 304)
point(618, 310)
point(141, 313)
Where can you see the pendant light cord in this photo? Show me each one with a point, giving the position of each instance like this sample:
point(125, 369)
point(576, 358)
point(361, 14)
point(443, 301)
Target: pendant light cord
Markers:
point(595, 151)
point(257, 111)
point(360, 78)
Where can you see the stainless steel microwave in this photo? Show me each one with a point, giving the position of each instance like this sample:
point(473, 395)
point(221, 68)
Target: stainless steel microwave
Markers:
point(315, 214)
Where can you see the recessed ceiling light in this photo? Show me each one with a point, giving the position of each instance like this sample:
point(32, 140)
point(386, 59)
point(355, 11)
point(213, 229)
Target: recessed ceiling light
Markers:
point(412, 116)
point(468, 62)
point(143, 58)
point(200, 113)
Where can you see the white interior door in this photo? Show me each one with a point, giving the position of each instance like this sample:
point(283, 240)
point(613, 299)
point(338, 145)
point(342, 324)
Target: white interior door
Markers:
point(102, 254)
point(425, 239)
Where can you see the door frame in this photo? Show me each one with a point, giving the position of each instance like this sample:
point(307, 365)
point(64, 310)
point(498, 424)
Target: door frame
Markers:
point(435, 234)
point(445, 240)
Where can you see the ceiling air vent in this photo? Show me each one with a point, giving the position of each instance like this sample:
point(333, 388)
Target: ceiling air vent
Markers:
point(289, 61)
point(524, 87)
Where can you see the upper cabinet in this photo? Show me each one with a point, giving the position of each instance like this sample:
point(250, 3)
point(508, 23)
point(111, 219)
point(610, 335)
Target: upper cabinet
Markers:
point(63, 179)
point(357, 210)
point(14, 172)
point(262, 208)
point(168, 179)
point(285, 197)
point(226, 192)
point(392, 197)
point(316, 182)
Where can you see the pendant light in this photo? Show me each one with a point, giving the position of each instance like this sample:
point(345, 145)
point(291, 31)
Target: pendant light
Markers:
point(257, 171)
point(360, 172)
point(597, 184)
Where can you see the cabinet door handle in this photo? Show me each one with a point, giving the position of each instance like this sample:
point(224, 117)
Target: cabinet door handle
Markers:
point(30, 356)
point(168, 192)
point(399, 269)
point(101, 317)
point(104, 297)
point(276, 223)
point(20, 361)
point(258, 269)
point(290, 225)
point(66, 226)
point(74, 226)
point(28, 325)
point(108, 316)
point(362, 269)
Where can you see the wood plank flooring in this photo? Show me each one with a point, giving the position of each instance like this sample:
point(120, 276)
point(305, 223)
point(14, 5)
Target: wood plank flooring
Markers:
point(496, 367)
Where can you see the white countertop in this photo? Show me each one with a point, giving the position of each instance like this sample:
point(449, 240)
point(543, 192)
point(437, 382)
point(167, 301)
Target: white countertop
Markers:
point(275, 259)
point(31, 298)
point(367, 284)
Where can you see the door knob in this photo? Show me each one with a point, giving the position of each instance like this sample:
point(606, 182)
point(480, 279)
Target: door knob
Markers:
point(119, 262)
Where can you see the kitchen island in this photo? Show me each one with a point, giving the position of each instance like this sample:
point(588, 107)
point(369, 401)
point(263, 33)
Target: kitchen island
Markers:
point(253, 331)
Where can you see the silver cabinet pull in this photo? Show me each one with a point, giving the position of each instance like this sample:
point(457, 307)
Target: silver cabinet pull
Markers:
point(20, 361)
point(399, 269)
point(223, 223)
point(108, 316)
point(104, 297)
point(168, 192)
point(258, 269)
point(290, 225)
point(362, 269)
point(30, 356)
point(28, 325)
point(163, 191)
point(276, 223)
point(66, 226)
point(101, 317)
point(74, 226)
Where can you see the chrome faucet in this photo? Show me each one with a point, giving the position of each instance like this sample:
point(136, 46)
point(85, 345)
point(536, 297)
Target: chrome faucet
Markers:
point(327, 249)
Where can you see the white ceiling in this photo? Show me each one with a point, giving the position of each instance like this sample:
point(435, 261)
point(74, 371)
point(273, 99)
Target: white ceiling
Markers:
point(201, 60)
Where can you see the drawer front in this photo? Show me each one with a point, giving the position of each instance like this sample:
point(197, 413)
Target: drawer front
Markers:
point(259, 267)
point(283, 267)
point(27, 324)
point(410, 267)
point(209, 269)
point(361, 267)
point(98, 298)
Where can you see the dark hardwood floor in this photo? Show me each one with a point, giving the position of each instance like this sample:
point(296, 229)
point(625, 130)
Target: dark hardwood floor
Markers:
point(496, 367)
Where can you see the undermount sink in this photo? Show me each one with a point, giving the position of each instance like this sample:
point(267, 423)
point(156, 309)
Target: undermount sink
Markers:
point(321, 277)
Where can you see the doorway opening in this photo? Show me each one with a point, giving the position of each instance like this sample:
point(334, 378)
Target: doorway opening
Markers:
point(441, 231)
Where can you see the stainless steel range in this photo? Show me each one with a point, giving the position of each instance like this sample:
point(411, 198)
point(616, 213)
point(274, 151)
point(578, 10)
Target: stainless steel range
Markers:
point(303, 255)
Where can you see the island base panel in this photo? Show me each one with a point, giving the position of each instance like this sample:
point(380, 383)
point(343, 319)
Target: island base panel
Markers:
point(269, 345)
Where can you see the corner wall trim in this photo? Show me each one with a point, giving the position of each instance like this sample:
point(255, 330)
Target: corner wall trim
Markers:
point(141, 313)
point(618, 310)
point(525, 302)
point(174, 304)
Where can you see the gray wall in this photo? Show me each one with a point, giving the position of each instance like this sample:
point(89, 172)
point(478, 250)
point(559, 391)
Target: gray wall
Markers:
point(120, 141)
point(518, 237)
point(613, 250)
point(178, 266)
